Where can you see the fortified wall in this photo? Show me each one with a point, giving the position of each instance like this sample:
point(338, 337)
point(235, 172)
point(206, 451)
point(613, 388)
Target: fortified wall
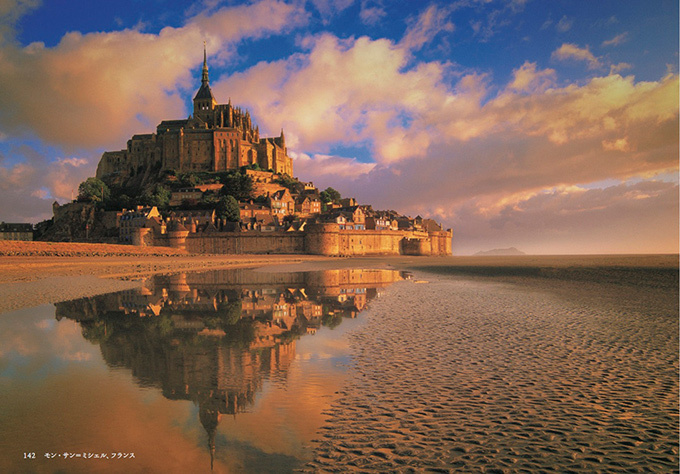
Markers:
point(317, 239)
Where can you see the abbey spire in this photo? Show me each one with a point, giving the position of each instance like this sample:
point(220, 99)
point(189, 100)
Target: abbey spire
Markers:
point(204, 102)
point(205, 80)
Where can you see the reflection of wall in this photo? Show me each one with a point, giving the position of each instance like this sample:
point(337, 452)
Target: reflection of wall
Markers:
point(206, 369)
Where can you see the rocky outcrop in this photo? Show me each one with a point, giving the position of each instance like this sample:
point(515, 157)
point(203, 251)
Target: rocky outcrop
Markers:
point(78, 222)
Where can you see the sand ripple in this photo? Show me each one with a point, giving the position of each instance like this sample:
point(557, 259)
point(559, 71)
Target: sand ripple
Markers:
point(461, 375)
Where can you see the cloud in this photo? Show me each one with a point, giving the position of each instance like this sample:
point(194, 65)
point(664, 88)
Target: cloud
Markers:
point(571, 51)
point(617, 68)
point(619, 144)
point(329, 167)
point(613, 219)
point(530, 135)
point(372, 12)
point(564, 24)
point(461, 152)
point(98, 89)
point(429, 24)
point(30, 186)
point(336, 93)
point(528, 79)
point(329, 8)
point(10, 12)
point(616, 40)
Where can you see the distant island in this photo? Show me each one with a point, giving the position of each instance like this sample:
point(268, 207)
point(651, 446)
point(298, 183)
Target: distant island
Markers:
point(211, 183)
point(500, 252)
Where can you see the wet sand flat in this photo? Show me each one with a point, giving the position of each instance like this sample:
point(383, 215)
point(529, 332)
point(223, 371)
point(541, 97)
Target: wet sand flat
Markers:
point(517, 372)
point(35, 273)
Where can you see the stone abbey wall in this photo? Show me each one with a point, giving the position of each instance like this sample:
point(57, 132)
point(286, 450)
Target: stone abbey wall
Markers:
point(318, 239)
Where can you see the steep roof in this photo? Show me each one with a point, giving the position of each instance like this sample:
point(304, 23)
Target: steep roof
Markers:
point(204, 92)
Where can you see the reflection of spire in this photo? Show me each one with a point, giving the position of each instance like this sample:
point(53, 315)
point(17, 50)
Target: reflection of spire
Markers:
point(210, 419)
point(221, 375)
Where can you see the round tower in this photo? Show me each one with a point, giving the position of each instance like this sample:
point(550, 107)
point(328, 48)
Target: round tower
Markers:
point(323, 239)
point(177, 235)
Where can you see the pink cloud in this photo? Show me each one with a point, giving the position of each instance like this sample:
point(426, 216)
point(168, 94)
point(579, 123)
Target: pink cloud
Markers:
point(424, 28)
point(616, 40)
point(570, 51)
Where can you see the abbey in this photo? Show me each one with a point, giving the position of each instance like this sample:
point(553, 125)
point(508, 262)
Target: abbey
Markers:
point(218, 137)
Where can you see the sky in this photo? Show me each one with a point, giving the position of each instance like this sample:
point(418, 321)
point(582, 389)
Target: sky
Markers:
point(549, 126)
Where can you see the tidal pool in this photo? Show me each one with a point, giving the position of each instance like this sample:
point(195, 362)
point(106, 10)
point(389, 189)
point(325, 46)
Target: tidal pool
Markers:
point(228, 370)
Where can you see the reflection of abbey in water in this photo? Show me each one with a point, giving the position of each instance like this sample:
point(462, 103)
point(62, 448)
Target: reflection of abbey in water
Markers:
point(215, 337)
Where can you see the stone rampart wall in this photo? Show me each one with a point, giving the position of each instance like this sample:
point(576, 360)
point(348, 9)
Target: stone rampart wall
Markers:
point(323, 239)
point(247, 242)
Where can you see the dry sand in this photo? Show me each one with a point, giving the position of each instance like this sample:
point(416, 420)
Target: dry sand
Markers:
point(542, 370)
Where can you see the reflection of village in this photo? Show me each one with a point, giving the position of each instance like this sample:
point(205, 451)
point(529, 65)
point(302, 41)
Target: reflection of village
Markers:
point(214, 338)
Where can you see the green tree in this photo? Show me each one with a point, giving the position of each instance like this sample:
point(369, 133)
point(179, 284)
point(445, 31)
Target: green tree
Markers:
point(238, 185)
point(227, 208)
point(293, 185)
point(330, 195)
point(158, 196)
point(230, 312)
point(188, 180)
point(93, 190)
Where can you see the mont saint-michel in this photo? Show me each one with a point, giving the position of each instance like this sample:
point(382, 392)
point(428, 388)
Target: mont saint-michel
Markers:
point(211, 183)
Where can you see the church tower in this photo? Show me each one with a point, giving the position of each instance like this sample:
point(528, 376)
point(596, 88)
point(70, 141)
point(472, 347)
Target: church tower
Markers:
point(204, 102)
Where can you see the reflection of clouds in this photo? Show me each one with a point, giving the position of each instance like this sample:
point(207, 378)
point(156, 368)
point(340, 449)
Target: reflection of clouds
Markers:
point(45, 324)
point(296, 408)
point(118, 417)
point(32, 343)
point(77, 356)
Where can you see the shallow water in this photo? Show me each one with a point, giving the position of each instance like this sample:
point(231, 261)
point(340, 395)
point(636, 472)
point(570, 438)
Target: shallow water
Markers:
point(229, 371)
point(244, 371)
point(471, 374)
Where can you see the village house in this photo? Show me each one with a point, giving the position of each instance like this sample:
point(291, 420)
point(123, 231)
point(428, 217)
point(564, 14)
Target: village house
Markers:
point(16, 231)
point(308, 186)
point(261, 223)
point(378, 223)
point(134, 219)
point(250, 210)
point(307, 205)
point(356, 216)
point(347, 219)
point(194, 193)
point(281, 203)
point(198, 217)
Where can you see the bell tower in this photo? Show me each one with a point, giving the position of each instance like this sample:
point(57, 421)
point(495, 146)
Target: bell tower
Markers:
point(204, 102)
